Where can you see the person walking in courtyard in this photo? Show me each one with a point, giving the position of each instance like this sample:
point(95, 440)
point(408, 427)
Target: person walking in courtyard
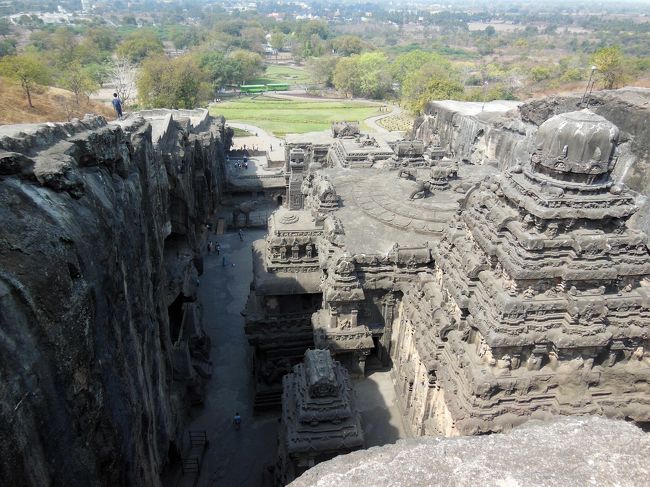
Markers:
point(117, 105)
point(218, 248)
point(223, 261)
point(241, 235)
point(236, 420)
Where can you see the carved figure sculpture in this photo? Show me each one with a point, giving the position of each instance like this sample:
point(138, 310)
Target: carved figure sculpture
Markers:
point(422, 189)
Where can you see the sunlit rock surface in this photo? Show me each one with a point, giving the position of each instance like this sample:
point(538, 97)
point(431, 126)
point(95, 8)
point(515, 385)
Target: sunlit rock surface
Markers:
point(574, 451)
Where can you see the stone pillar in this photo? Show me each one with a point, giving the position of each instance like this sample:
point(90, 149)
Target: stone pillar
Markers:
point(294, 188)
point(354, 317)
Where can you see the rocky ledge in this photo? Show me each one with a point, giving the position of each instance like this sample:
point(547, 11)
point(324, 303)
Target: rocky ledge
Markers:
point(572, 451)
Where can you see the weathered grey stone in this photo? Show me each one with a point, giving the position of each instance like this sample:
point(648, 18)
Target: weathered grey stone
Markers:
point(93, 252)
point(567, 452)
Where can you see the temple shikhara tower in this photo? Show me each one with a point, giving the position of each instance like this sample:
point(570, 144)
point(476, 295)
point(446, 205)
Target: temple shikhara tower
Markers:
point(319, 416)
point(538, 302)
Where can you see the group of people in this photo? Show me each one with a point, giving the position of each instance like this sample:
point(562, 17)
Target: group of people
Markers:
point(214, 247)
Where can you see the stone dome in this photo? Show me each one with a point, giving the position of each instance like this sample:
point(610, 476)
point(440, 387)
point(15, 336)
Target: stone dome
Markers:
point(577, 145)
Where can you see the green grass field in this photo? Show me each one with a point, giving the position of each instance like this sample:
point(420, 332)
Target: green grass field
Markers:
point(283, 74)
point(292, 116)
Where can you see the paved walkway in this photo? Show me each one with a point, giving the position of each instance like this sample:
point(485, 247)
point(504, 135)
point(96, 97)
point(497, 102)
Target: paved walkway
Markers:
point(381, 419)
point(234, 458)
point(372, 121)
point(262, 139)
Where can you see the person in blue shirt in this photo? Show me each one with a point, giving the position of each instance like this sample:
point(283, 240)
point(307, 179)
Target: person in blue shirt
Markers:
point(117, 104)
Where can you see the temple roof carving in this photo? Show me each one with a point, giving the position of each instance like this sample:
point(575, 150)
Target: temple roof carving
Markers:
point(577, 146)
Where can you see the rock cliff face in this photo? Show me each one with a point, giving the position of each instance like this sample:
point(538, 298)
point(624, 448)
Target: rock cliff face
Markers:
point(571, 452)
point(100, 237)
point(503, 133)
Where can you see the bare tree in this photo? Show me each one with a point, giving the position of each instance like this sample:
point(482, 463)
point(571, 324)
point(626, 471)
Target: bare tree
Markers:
point(67, 103)
point(122, 76)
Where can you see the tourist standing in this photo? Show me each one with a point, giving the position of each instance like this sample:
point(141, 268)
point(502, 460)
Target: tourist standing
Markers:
point(218, 248)
point(117, 105)
point(241, 235)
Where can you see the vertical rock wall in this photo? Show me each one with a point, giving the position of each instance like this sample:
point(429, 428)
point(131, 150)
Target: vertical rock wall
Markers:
point(87, 394)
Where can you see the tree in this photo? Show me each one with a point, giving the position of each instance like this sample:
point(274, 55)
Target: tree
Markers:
point(63, 43)
point(184, 37)
point(103, 38)
point(346, 74)
point(79, 81)
point(5, 27)
point(7, 47)
point(121, 75)
point(140, 44)
point(375, 79)
point(412, 61)
point(216, 68)
point(322, 69)
point(67, 104)
point(610, 66)
point(348, 45)
point(277, 42)
point(364, 75)
point(173, 83)
point(430, 82)
point(541, 73)
point(27, 69)
point(253, 38)
point(246, 65)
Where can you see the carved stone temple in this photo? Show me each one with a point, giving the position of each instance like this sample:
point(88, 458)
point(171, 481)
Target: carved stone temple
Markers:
point(496, 292)
point(319, 416)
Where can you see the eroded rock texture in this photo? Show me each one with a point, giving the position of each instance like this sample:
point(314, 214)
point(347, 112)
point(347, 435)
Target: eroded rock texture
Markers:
point(503, 133)
point(100, 236)
point(570, 452)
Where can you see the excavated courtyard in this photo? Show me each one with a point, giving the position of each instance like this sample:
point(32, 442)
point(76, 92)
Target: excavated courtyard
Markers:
point(242, 457)
point(489, 270)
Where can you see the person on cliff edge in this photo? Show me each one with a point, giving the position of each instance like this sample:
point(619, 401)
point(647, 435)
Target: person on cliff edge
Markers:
point(117, 105)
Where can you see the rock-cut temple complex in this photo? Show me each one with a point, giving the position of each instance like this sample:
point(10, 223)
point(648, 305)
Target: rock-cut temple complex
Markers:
point(497, 293)
point(488, 269)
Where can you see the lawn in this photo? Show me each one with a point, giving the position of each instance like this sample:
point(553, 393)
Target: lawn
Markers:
point(283, 74)
point(292, 116)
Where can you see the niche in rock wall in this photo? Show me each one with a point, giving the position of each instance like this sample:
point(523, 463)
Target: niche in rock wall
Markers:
point(175, 312)
point(295, 303)
point(178, 215)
